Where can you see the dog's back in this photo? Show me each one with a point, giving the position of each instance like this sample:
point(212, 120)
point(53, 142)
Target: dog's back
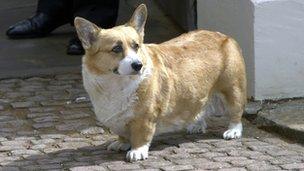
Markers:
point(192, 68)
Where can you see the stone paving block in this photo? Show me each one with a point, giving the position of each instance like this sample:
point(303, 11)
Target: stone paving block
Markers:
point(211, 155)
point(38, 115)
point(88, 158)
point(245, 153)
point(31, 167)
point(173, 157)
point(190, 161)
point(53, 160)
point(280, 153)
point(1, 107)
point(76, 163)
point(88, 168)
point(37, 79)
point(43, 125)
point(92, 131)
point(16, 143)
point(195, 150)
point(6, 118)
point(228, 159)
point(21, 163)
point(70, 126)
point(156, 164)
point(52, 136)
point(226, 149)
point(68, 77)
point(231, 143)
point(12, 80)
point(212, 165)
point(56, 87)
point(241, 163)
point(287, 159)
point(39, 147)
point(46, 119)
point(51, 166)
point(8, 168)
point(3, 139)
point(177, 167)
point(74, 114)
point(233, 169)
point(263, 157)
point(293, 166)
point(42, 109)
point(264, 149)
point(124, 167)
point(256, 143)
point(23, 104)
point(75, 139)
point(36, 99)
point(25, 152)
point(53, 103)
point(261, 166)
point(18, 94)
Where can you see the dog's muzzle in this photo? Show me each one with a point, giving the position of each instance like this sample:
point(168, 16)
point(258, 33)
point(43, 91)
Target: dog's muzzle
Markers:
point(136, 66)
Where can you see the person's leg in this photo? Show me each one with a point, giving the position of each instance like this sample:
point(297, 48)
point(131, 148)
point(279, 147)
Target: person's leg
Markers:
point(54, 7)
point(50, 14)
point(101, 12)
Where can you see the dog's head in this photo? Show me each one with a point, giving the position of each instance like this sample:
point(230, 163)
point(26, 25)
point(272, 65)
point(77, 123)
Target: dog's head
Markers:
point(117, 50)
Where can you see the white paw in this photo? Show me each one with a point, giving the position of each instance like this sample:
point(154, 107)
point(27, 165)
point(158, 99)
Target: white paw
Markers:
point(196, 128)
point(118, 146)
point(234, 131)
point(140, 153)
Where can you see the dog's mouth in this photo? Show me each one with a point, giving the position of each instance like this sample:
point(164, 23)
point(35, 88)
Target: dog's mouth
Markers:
point(115, 71)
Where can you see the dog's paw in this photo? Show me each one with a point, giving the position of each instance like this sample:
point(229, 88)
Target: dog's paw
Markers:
point(198, 127)
point(234, 131)
point(118, 146)
point(140, 153)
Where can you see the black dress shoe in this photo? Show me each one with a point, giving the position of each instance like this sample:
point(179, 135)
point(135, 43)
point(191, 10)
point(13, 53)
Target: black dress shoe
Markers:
point(75, 47)
point(38, 26)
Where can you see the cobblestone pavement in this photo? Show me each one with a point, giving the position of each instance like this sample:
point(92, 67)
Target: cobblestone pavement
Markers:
point(48, 124)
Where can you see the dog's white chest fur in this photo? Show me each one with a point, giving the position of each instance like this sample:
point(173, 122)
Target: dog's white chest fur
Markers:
point(113, 98)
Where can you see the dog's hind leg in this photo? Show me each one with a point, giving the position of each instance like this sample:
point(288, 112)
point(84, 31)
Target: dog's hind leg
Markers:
point(233, 87)
point(199, 126)
point(120, 144)
point(235, 104)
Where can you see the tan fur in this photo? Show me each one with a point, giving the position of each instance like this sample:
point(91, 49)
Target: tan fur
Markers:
point(186, 72)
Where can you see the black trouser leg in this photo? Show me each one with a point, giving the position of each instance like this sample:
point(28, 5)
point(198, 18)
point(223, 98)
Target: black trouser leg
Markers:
point(101, 12)
point(56, 8)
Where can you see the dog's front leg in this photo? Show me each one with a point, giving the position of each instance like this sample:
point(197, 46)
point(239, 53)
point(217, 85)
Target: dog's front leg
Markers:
point(141, 134)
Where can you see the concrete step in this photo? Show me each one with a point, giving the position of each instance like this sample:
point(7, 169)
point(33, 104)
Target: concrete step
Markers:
point(284, 117)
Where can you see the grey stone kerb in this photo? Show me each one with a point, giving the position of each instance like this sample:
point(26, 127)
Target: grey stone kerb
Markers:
point(271, 35)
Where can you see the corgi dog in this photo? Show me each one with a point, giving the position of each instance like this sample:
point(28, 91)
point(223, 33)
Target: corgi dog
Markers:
point(141, 90)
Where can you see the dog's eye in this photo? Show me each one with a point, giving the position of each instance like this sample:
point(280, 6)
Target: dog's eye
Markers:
point(135, 46)
point(117, 49)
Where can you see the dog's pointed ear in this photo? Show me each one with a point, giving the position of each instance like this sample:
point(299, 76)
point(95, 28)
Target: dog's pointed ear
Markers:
point(87, 31)
point(139, 19)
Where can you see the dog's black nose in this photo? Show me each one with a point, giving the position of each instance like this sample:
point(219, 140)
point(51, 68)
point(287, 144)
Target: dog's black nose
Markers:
point(137, 65)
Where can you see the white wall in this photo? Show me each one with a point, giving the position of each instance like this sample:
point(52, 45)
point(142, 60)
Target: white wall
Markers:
point(279, 48)
point(271, 33)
